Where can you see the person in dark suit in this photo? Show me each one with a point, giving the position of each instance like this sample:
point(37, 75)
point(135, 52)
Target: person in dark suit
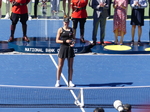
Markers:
point(100, 13)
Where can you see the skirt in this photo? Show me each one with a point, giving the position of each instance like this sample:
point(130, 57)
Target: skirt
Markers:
point(137, 17)
point(66, 52)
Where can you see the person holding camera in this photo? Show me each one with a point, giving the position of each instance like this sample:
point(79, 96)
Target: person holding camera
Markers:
point(66, 39)
point(122, 108)
point(98, 109)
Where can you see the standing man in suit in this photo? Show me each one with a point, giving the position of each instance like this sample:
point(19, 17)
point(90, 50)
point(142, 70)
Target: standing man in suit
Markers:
point(100, 13)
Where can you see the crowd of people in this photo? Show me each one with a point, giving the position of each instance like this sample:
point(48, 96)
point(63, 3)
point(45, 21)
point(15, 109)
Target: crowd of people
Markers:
point(54, 7)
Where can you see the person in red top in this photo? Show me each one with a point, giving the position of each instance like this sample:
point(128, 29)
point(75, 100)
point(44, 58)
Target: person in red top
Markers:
point(79, 14)
point(19, 11)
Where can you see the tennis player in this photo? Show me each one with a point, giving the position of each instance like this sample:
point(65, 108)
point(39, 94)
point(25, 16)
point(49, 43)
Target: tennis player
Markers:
point(65, 38)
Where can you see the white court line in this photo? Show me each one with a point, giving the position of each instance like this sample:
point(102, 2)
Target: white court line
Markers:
point(75, 97)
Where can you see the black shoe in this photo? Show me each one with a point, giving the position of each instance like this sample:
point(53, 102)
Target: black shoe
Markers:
point(94, 43)
point(25, 38)
point(102, 43)
point(11, 39)
point(82, 40)
point(132, 42)
point(139, 43)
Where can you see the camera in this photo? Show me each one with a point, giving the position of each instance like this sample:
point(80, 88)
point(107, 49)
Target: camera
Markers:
point(120, 107)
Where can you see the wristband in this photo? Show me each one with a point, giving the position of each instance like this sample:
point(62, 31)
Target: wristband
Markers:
point(64, 41)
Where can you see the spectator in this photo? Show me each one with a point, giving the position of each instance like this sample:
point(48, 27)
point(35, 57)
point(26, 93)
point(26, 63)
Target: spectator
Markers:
point(127, 107)
point(149, 8)
point(7, 16)
point(79, 14)
point(30, 10)
point(109, 10)
point(19, 12)
point(120, 16)
point(0, 8)
point(137, 18)
point(99, 109)
point(55, 9)
point(100, 14)
point(64, 8)
point(36, 8)
point(44, 8)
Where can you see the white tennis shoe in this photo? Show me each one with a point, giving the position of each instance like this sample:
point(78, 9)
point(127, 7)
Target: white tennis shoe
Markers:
point(57, 84)
point(71, 84)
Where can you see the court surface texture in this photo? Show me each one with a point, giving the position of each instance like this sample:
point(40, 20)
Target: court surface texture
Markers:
point(90, 69)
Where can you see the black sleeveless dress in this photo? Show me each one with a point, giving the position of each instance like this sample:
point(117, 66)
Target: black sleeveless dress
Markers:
point(65, 50)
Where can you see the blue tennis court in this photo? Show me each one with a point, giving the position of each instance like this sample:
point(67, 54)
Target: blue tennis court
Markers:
point(95, 71)
point(90, 70)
